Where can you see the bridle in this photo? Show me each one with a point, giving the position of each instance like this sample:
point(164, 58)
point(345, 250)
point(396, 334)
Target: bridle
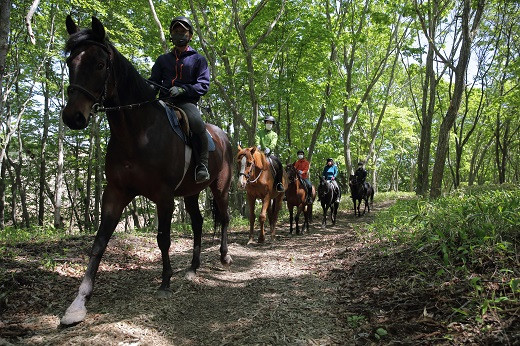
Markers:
point(251, 170)
point(100, 100)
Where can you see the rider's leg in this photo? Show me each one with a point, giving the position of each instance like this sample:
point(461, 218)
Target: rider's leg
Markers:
point(200, 143)
point(278, 175)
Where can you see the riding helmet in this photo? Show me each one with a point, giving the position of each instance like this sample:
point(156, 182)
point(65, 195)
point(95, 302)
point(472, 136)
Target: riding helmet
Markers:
point(269, 118)
point(300, 152)
point(360, 163)
point(330, 159)
point(184, 22)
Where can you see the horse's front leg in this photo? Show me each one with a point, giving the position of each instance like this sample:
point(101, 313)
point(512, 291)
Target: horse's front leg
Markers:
point(251, 204)
point(290, 218)
point(324, 221)
point(298, 212)
point(192, 207)
point(164, 215)
point(113, 203)
point(262, 217)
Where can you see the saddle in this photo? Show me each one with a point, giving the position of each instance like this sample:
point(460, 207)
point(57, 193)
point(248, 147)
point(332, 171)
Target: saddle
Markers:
point(179, 122)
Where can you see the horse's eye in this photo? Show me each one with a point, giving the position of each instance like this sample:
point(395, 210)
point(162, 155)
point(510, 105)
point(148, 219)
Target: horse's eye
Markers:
point(100, 66)
point(249, 164)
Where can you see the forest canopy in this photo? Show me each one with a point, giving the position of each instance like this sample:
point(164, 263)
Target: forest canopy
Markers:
point(424, 92)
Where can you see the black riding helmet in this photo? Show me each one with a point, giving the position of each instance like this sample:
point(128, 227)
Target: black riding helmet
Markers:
point(184, 22)
point(300, 152)
point(330, 160)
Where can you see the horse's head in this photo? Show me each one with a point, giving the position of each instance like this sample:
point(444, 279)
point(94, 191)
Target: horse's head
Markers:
point(246, 165)
point(89, 71)
point(352, 180)
point(292, 173)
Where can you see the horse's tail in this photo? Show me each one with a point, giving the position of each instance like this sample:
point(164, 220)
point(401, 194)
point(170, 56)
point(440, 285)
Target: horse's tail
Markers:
point(217, 218)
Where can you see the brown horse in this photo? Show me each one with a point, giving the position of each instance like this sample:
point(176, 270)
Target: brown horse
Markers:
point(255, 176)
point(143, 153)
point(296, 197)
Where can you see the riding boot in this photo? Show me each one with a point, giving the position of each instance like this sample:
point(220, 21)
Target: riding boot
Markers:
point(201, 159)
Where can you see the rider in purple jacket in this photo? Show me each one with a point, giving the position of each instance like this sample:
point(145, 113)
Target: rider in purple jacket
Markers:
point(184, 74)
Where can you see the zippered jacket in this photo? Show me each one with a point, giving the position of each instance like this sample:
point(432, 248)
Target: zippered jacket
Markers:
point(188, 70)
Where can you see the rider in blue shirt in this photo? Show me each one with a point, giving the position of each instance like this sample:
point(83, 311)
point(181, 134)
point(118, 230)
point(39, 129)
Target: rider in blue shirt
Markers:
point(330, 171)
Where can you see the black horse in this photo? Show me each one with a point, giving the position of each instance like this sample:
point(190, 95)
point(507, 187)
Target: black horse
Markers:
point(360, 191)
point(144, 155)
point(329, 198)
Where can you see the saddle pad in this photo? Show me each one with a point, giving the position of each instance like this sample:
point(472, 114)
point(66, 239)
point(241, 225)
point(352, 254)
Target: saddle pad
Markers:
point(174, 123)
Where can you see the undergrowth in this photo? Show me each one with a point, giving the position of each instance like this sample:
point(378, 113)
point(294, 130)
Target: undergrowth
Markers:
point(472, 235)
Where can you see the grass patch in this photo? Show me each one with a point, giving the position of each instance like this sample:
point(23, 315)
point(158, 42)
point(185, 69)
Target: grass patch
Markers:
point(471, 235)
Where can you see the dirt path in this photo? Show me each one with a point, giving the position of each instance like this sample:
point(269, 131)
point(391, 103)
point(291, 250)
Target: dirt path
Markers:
point(282, 292)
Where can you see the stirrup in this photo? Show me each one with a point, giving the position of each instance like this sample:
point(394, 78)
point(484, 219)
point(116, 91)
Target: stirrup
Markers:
point(201, 173)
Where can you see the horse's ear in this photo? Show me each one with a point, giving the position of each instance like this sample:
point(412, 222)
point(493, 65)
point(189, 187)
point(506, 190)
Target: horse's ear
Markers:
point(253, 149)
point(71, 26)
point(98, 29)
point(239, 148)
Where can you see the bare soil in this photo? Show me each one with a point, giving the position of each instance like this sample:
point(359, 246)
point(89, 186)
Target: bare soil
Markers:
point(325, 287)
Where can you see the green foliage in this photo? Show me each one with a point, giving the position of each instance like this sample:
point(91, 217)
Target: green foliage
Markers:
point(464, 232)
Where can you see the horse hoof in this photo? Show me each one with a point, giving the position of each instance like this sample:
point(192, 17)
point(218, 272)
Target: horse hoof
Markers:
point(163, 293)
point(226, 261)
point(73, 316)
point(190, 275)
point(250, 241)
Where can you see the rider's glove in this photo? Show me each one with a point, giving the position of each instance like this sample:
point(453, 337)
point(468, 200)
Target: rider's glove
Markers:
point(300, 171)
point(267, 151)
point(176, 91)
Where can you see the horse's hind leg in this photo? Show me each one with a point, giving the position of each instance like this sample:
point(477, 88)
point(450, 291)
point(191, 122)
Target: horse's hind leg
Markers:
point(192, 207)
point(275, 210)
point(112, 206)
point(222, 202)
point(164, 214)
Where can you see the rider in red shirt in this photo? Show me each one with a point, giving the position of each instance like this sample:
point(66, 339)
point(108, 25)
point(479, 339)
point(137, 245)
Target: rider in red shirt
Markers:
point(302, 166)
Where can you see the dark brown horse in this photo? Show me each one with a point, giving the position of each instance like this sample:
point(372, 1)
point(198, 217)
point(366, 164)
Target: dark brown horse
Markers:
point(329, 199)
point(360, 191)
point(144, 155)
point(296, 197)
point(255, 176)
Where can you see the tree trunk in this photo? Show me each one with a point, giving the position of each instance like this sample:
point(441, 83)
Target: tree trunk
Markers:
point(45, 135)
point(451, 114)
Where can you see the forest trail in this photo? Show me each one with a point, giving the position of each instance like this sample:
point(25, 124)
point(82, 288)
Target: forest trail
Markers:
point(287, 291)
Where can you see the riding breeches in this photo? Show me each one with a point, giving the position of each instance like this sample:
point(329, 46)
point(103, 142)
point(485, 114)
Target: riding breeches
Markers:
point(275, 161)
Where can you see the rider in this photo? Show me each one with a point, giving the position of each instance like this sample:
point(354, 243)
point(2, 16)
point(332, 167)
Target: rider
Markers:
point(302, 165)
point(330, 171)
point(184, 75)
point(361, 173)
point(265, 140)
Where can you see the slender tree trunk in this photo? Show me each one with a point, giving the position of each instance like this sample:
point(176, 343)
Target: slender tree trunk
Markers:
point(45, 134)
point(460, 74)
point(58, 185)
point(5, 21)
point(164, 43)
point(2, 195)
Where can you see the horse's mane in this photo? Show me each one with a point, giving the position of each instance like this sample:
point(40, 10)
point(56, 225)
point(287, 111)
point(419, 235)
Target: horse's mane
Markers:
point(129, 77)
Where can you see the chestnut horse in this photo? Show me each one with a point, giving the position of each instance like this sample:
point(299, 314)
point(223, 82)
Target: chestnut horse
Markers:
point(296, 197)
point(143, 154)
point(255, 176)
